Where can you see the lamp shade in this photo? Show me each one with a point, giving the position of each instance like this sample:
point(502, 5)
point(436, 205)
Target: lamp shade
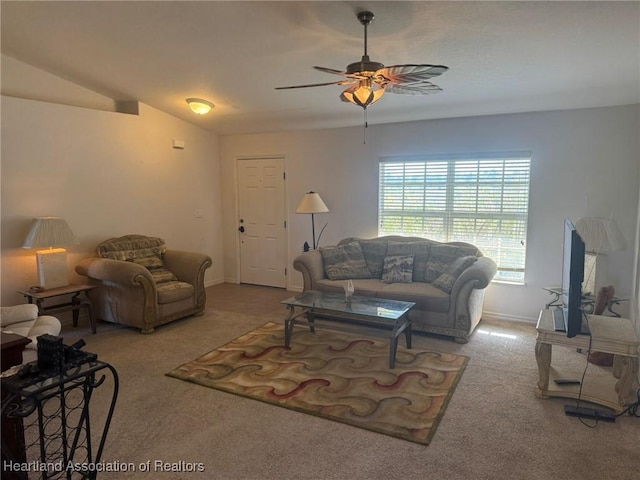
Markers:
point(600, 235)
point(49, 232)
point(311, 203)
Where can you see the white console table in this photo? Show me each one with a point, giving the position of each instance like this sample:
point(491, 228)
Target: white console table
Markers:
point(609, 335)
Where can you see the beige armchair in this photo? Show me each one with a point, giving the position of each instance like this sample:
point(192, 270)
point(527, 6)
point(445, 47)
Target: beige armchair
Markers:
point(143, 284)
point(24, 320)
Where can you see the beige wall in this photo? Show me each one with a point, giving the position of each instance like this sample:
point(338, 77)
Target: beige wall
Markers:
point(111, 174)
point(107, 174)
point(21, 80)
point(585, 163)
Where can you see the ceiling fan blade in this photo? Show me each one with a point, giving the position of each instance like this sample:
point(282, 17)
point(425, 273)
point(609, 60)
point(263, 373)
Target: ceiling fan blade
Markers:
point(422, 88)
point(332, 70)
point(407, 74)
point(341, 82)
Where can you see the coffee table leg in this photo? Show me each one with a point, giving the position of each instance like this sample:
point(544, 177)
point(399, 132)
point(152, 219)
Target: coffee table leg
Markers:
point(408, 332)
point(288, 326)
point(311, 319)
point(393, 348)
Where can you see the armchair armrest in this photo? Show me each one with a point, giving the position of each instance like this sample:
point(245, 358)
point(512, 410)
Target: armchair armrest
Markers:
point(311, 266)
point(187, 266)
point(117, 271)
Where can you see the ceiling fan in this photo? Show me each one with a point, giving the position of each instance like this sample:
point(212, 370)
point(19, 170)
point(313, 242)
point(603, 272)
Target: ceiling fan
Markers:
point(370, 80)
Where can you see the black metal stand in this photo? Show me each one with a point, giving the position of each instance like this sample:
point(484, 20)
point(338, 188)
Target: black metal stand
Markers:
point(59, 441)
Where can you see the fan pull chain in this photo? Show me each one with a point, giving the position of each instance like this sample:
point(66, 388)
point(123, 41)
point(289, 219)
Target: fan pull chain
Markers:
point(364, 128)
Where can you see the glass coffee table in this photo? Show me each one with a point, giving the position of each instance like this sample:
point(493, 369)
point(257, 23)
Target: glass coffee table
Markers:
point(333, 311)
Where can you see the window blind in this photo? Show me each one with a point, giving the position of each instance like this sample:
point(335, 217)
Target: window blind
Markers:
point(481, 199)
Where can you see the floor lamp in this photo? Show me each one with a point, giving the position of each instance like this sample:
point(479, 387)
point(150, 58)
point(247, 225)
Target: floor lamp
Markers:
point(312, 203)
point(47, 233)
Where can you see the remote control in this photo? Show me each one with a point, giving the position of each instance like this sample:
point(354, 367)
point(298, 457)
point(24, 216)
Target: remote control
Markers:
point(561, 381)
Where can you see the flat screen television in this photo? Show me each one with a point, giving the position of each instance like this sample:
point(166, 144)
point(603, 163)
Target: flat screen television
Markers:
point(572, 277)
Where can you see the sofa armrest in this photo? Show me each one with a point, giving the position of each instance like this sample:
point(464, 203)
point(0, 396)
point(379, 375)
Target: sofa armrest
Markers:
point(117, 271)
point(26, 312)
point(46, 324)
point(311, 266)
point(187, 266)
point(481, 272)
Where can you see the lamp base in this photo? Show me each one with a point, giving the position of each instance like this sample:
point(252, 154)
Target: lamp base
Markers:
point(52, 268)
point(589, 279)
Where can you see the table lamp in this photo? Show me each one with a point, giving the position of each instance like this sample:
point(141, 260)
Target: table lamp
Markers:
point(600, 236)
point(312, 203)
point(49, 234)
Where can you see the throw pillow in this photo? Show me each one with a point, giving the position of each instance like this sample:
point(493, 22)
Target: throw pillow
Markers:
point(131, 247)
point(398, 269)
point(145, 251)
point(446, 279)
point(374, 253)
point(441, 256)
point(156, 268)
point(344, 262)
point(420, 250)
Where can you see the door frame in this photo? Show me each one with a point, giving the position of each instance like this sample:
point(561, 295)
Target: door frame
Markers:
point(236, 213)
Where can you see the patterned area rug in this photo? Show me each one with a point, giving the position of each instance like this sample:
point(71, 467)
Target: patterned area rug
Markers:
point(336, 376)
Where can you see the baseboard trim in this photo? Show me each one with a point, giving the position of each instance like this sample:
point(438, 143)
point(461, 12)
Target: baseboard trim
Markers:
point(508, 318)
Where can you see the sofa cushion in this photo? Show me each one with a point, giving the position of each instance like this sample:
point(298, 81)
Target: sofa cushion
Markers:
point(420, 250)
point(398, 269)
point(344, 262)
point(447, 278)
point(441, 256)
point(170, 292)
point(374, 252)
point(426, 297)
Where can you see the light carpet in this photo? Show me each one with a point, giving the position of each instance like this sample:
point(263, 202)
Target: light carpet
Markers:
point(338, 376)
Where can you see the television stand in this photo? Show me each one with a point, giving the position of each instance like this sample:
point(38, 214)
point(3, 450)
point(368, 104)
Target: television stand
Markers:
point(608, 334)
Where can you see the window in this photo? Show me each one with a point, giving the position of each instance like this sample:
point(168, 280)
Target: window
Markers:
point(481, 199)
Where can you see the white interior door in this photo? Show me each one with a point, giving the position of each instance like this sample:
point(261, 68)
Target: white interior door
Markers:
point(261, 221)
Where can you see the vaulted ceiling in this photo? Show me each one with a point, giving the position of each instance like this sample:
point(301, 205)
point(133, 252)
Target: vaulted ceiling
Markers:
point(502, 56)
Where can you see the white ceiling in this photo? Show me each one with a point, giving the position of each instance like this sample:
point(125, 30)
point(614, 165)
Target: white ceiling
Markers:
point(503, 56)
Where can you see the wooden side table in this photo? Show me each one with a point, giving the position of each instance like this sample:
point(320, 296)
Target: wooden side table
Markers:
point(76, 303)
point(608, 334)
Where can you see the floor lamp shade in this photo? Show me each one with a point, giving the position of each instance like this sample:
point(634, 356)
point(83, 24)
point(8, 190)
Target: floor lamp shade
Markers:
point(312, 203)
point(48, 234)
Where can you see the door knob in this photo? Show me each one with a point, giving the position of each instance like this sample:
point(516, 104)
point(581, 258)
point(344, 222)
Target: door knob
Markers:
point(241, 229)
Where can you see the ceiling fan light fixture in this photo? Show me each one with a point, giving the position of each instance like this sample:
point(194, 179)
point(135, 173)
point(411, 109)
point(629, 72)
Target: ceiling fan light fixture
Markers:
point(363, 94)
point(199, 106)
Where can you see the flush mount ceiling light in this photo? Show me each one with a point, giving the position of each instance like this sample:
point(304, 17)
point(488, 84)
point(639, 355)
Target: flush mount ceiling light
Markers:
point(371, 80)
point(199, 106)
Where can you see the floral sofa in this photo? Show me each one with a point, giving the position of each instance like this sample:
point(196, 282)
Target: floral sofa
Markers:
point(447, 281)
